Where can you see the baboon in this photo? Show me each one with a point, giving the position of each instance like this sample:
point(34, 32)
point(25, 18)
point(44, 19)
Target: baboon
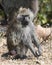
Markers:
point(21, 34)
point(10, 6)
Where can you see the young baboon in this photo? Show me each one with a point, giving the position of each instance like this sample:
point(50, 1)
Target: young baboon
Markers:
point(10, 6)
point(21, 35)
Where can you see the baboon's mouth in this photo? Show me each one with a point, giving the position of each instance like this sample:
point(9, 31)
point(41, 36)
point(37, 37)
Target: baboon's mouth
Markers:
point(24, 23)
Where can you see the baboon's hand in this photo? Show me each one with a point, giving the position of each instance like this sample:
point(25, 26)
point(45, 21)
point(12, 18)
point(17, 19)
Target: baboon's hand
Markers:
point(37, 54)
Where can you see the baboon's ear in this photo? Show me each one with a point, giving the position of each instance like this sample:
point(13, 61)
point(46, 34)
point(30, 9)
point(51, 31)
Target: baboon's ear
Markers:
point(28, 9)
point(20, 9)
point(31, 15)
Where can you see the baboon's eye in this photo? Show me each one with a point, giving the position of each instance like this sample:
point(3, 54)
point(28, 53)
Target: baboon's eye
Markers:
point(25, 16)
point(29, 17)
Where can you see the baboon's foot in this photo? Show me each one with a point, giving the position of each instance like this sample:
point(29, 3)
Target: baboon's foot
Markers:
point(20, 57)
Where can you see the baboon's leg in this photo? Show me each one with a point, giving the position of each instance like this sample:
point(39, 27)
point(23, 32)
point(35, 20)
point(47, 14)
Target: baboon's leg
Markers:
point(11, 41)
point(29, 44)
point(36, 43)
point(21, 51)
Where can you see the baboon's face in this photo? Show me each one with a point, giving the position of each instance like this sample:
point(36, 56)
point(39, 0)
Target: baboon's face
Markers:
point(25, 16)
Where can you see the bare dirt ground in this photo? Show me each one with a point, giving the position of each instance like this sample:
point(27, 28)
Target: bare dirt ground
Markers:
point(45, 59)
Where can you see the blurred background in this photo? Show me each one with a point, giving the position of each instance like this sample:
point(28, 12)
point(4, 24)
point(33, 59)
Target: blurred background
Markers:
point(44, 15)
point(45, 12)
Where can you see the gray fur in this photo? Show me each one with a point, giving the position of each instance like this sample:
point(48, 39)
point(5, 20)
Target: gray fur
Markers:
point(21, 35)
